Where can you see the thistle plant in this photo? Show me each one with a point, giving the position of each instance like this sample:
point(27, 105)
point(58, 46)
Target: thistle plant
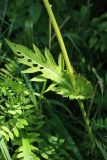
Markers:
point(69, 66)
point(62, 75)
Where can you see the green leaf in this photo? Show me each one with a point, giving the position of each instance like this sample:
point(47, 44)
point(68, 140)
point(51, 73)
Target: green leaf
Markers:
point(34, 148)
point(19, 124)
point(84, 89)
point(16, 132)
point(47, 68)
point(101, 149)
point(44, 155)
point(35, 11)
point(23, 121)
point(5, 129)
point(11, 135)
point(38, 79)
point(4, 149)
point(20, 155)
point(26, 148)
point(3, 133)
point(92, 41)
point(12, 112)
point(29, 106)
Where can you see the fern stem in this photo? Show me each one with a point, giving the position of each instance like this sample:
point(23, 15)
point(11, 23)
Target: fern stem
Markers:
point(69, 66)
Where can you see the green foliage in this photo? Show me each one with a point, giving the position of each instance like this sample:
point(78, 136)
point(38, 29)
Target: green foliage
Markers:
point(102, 149)
point(99, 33)
point(51, 127)
point(24, 125)
point(10, 68)
point(100, 124)
point(13, 97)
point(100, 127)
point(4, 150)
point(46, 65)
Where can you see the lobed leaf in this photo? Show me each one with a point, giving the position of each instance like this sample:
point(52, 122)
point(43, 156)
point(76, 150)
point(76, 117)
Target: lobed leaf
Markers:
point(47, 68)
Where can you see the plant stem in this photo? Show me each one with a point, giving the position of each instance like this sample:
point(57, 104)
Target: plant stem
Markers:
point(87, 122)
point(69, 66)
point(50, 34)
point(61, 42)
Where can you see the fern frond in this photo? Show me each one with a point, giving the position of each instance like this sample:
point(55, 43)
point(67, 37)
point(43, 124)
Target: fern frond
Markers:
point(10, 67)
point(25, 150)
point(4, 149)
point(103, 149)
point(100, 123)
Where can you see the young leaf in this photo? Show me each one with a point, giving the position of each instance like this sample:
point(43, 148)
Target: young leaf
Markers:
point(16, 132)
point(5, 129)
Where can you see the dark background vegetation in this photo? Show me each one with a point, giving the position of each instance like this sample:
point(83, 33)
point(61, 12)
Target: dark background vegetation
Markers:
point(83, 26)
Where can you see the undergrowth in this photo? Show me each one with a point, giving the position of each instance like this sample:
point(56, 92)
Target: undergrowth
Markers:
point(53, 103)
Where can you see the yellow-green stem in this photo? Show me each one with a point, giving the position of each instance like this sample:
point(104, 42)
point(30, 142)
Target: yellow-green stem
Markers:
point(61, 42)
point(68, 65)
point(50, 32)
point(87, 122)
